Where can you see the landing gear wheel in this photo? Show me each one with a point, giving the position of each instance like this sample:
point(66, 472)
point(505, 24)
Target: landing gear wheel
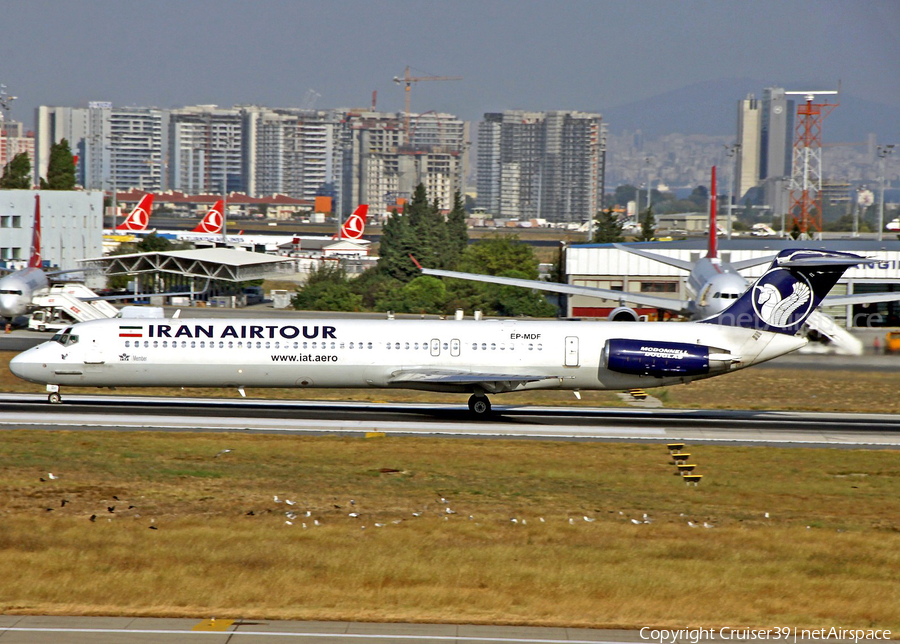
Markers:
point(54, 398)
point(480, 406)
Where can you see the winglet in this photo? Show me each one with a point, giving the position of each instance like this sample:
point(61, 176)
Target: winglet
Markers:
point(713, 230)
point(35, 260)
point(415, 261)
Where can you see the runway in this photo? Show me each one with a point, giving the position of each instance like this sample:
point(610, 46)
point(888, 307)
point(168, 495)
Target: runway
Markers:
point(99, 630)
point(123, 413)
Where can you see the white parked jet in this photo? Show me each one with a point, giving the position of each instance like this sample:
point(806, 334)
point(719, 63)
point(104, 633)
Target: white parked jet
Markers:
point(17, 288)
point(464, 356)
point(712, 284)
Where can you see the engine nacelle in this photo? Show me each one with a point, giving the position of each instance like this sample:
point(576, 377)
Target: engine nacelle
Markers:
point(623, 314)
point(663, 359)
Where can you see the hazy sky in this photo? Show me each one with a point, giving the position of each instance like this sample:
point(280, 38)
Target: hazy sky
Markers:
point(529, 54)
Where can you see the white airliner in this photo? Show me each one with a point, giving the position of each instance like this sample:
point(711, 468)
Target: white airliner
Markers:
point(712, 284)
point(459, 356)
point(17, 289)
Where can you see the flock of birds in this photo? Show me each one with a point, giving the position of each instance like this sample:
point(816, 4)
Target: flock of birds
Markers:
point(307, 520)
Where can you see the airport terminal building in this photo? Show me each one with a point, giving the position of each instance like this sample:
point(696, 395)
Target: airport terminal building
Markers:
point(71, 226)
point(604, 266)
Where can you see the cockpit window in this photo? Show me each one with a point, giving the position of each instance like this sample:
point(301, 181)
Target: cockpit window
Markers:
point(65, 338)
point(7, 291)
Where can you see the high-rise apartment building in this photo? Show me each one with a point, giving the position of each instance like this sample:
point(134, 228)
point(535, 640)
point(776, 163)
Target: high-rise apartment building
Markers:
point(14, 139)
point(205, 150)
point(548, 165)
point(121, 147)
point(291, 152)
point(381, 167)
point(765, 133)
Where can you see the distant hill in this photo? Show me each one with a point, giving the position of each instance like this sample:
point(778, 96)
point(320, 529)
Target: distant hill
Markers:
point(710, 107)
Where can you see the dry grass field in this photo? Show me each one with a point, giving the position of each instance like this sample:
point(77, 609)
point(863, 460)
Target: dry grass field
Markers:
point(527, 532)
point(557, 534)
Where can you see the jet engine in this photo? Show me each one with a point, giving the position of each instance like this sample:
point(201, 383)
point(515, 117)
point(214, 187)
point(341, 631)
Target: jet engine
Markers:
point(664, 359)
point(623, 314)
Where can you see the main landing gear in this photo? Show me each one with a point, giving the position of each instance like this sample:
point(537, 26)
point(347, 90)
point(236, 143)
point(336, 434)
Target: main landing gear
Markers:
point(479, 406)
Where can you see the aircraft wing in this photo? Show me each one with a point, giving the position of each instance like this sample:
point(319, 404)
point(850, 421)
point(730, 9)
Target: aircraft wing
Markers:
point(491, 382)
point(669, 261)
point(641, 299)
point(860, 298)
point(749, 263)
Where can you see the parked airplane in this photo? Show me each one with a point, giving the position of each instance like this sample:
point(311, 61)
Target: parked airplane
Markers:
point(712, 285)
point(352, 229)
point(459, 356)
point(17, 289)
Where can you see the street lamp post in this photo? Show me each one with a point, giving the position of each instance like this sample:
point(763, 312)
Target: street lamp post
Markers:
point(883, 151)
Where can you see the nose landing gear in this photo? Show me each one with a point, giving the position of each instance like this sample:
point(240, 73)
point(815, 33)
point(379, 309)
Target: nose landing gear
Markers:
point(479, 406)
point(53, 394)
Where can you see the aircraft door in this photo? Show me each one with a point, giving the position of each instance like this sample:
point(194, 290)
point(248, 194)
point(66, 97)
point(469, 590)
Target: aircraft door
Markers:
point(571, 351)
point(435, 347)
point(454, 348)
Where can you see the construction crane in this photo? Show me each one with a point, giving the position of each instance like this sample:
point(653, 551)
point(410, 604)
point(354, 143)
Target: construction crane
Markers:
point(409, 80)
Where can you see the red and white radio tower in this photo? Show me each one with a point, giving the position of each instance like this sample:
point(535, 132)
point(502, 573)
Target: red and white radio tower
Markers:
point(806, 168)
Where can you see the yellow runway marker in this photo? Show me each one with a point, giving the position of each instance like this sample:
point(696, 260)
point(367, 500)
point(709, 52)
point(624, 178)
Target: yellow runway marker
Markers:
point(375, 434)
point(213, 625)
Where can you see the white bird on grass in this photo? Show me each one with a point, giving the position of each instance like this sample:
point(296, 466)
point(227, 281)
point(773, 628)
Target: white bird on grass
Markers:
point(636, 522)
point(52, 476)
point(354, 514)
point(589, 519)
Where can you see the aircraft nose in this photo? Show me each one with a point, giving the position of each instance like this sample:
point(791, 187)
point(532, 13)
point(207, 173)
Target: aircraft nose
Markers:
point(9, 306)
point(27, 366)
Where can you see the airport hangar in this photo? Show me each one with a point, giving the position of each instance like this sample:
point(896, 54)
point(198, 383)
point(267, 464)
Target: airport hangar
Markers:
point(604, 266)
point(71, 226)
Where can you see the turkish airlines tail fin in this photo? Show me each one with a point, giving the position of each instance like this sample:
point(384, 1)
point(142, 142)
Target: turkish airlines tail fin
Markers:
point(213, 220)
point(138, 219)
point(355, 225)
point(35, 260)
point(713, 230)
point(787, 294)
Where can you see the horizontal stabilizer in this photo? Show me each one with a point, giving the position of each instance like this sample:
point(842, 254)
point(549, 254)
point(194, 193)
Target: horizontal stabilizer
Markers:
point(669, 261)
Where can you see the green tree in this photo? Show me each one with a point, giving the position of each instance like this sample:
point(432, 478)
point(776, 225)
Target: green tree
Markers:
point(327, 290)
point(17, 173)
point(609, 229)
point(648, 226)
point(397, 244)
point(60, 168)
point(457, 232)
point(515, 301)
point(424, 294)
point(493, 255)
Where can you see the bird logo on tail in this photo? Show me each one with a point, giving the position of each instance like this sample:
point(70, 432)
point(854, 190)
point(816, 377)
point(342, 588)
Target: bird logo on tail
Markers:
point(780, 298)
